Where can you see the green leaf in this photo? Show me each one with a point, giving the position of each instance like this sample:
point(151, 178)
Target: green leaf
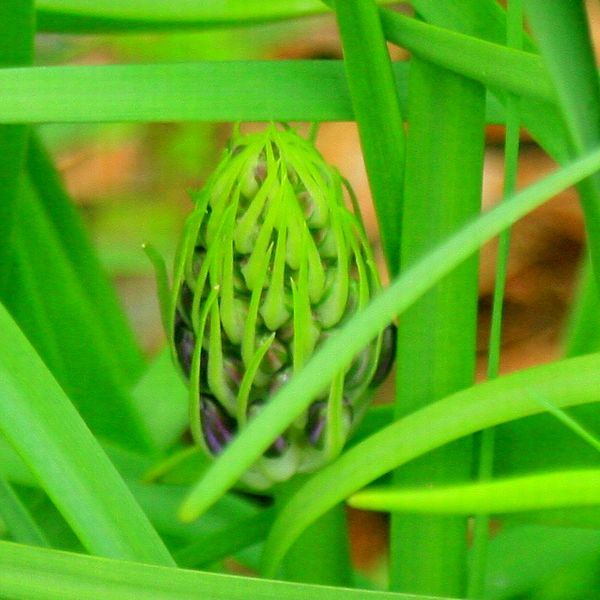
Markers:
point(529, 493)
point(339, 350)
point(565, 383)
point(43, 427)
point(209, 91)
point(34, 574)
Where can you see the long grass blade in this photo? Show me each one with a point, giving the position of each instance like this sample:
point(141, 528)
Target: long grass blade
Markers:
point(209, 91)
point(529, 493)
point(34, 574)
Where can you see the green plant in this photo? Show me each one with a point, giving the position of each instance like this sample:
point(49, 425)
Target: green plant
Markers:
point(91, 453)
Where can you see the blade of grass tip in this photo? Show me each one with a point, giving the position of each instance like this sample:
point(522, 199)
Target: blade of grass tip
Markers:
point(567, 420)
point(544, 491)
point(76, 243)
point(378, 115)
point(562, 32)
point(478, 555)
point(295, 397)
point(43, 574)
point(567, 383)
point(437, 335)
point(18, 520)
point(17, 29)
point(44, 428)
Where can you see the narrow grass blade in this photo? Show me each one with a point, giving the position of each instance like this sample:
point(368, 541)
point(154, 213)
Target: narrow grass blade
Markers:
point(34, 574)
point(18, 520)
point(436, 336)
point(77, 246)
point(43, 427)
point(530, 493)
point(378, 116)
point(566, 383)
point(17, 30)
point(339, 350)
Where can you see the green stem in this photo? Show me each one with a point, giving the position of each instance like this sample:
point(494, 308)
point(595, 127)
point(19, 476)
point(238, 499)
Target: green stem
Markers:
point(477, 574)
point(436, 337)
point(17, 27)
point(322, 553)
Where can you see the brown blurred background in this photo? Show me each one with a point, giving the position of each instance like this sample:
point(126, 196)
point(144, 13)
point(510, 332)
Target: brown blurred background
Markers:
point(130, 182)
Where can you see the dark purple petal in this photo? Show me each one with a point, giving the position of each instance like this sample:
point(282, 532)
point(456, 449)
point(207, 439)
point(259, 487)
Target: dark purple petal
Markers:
point(218, 428)
point(185, 342)
point(315, 424)
point(387, 355)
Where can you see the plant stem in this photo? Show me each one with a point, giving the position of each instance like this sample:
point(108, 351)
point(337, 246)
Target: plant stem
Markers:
point(322, 553)
point(477, 573)
point(436, 337)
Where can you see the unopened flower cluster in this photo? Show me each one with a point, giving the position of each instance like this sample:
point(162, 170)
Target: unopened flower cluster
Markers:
point(271, 263)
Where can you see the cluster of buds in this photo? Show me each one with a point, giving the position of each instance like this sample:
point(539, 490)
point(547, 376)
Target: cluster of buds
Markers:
point(270, 264)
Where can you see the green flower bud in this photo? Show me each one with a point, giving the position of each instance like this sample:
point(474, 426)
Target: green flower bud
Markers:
point(271, 263)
